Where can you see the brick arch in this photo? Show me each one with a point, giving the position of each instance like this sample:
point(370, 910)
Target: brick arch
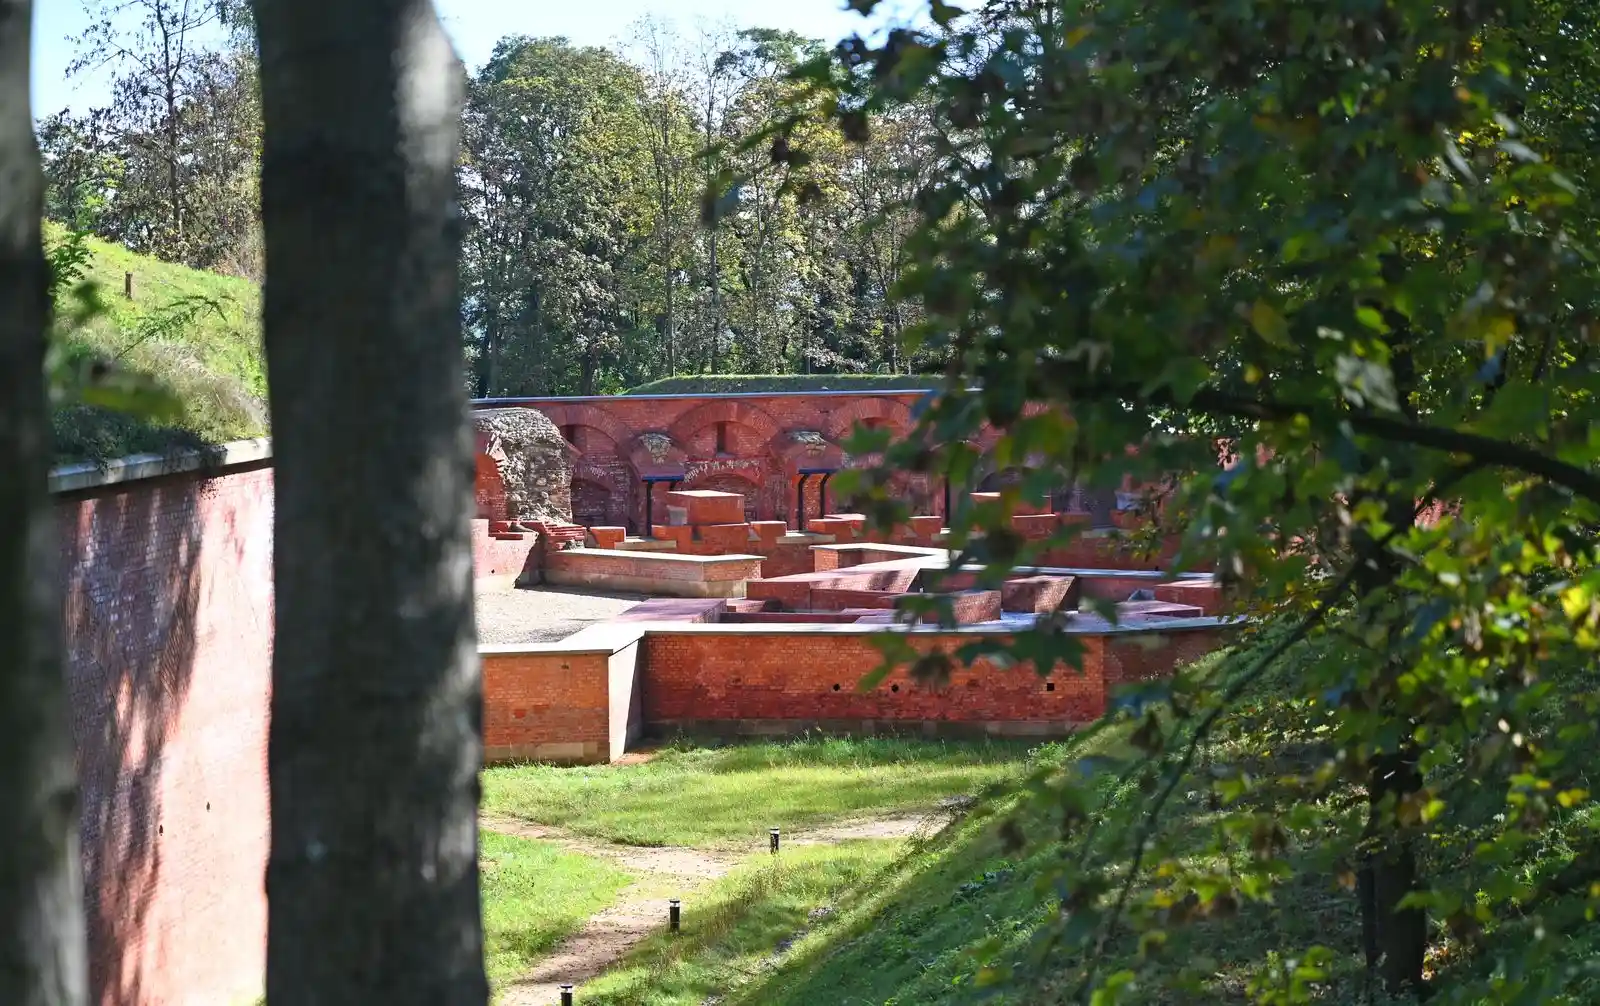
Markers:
point(601, 496)
point(792, 455)
point(592, 502)
point(886, 411)
point(724, 411)
point(565, 414)
point(643, 461)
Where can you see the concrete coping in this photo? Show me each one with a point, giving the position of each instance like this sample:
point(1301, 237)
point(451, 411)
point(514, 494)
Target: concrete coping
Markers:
point(562, 647)
point(218, 459)
point(671, 557)
point(581, 643)
point(489, 403)
point(645, 545)
point(909, 551)
point(1154, 575)
point(601, 639)
point(811, 538)
point(1142, 628)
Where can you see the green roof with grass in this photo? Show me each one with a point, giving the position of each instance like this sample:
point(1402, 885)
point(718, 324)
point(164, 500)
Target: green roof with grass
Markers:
point(197, 334)
point(729, 384)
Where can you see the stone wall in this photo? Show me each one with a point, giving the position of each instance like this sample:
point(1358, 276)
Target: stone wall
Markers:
point(524, 467)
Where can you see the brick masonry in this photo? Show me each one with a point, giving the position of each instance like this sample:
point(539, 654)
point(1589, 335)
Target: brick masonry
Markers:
point(754, 445)
point(792, 676)
point(167, 595)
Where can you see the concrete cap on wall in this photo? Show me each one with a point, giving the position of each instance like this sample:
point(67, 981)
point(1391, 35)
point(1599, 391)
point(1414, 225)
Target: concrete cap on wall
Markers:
point(218, 459)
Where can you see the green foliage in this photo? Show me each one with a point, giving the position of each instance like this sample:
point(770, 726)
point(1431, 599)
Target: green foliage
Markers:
point(734, 930)
point(723, 384)
point(1348, 242)
point(177, 367)
point(534, 895)
point(168, 167)
point(587, 268)
point(732, 795)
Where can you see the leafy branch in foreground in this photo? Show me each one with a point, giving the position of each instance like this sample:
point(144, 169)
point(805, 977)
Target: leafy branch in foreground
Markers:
point(1338, 244)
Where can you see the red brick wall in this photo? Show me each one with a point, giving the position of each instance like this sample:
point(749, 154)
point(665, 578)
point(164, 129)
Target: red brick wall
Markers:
point(168, 602)
point(758, 457)
point(544, 705)
point(804, 676)
point(501, 557)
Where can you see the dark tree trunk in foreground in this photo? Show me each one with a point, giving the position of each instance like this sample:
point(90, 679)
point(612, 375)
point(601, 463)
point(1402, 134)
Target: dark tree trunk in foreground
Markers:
point(42, 952)
point(376, 708)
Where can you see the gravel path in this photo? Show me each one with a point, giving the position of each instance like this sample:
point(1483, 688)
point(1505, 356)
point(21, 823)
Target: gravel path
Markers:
point(660, 872)
point(544, 614)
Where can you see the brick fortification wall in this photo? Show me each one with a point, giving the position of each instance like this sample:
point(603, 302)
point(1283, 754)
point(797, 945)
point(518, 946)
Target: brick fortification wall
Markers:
point(168, 602)
point(755, 445)
point(705, 680)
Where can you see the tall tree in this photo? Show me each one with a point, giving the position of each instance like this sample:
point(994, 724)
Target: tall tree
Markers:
point(42, 950)
point(557, 194)
point(183, 124)
point(1347, 239)
point(376, 709)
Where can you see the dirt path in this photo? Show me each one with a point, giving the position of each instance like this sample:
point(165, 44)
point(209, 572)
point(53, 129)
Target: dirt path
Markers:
point(662, 873)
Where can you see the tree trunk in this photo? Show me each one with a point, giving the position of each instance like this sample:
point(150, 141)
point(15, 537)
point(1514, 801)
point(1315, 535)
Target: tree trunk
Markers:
point(1399, 936)
point(42, 936)
point(376, 707)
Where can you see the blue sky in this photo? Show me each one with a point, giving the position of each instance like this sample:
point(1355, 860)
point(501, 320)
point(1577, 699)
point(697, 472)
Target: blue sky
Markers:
point(475, 25)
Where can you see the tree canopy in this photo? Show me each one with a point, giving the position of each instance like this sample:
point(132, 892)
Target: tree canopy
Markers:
point(1349, 243)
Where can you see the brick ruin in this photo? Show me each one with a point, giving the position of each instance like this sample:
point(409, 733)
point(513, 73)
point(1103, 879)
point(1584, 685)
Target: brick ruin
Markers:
point(630, 449)
point(766, 611)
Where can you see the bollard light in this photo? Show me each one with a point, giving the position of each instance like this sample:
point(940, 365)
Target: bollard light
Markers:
point(566, 995)
point(674, 913)
point(772, 837)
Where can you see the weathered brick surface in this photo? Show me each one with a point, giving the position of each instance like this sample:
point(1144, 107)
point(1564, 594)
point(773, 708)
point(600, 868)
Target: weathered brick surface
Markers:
point(726, 539)
point(754, 446)
point(167, 596)
point(1205, 595)
point(536, 702)
point(838, 599)
point(969, 607)
point(790, 675)
point(1146, 657)
point(707, 506)
point(503, 556)
point(607, 537)
point(1038, 594)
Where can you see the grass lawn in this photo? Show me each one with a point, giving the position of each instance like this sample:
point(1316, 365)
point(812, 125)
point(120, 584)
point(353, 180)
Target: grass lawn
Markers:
point(733, 794)
point(534, 894)
point(198, 334)
point(732, 929)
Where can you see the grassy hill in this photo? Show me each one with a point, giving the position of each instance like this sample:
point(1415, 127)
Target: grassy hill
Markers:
point(198, 334)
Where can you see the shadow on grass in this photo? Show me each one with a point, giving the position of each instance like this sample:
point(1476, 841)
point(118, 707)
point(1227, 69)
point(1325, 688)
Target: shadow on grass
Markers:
point(737, 929)
point(534, 895)
point(734, 794)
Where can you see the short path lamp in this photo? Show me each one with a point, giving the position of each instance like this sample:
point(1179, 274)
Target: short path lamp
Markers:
point(674, 913)
point(772, 839)
point(566, 995)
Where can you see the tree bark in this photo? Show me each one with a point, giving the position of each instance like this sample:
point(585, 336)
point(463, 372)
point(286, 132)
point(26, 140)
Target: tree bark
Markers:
point(376, 709)
point(43, 959)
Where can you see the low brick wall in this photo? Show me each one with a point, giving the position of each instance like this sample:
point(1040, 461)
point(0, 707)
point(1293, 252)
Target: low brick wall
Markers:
point(652, 572)
point(503, 560)
point(543, 703)
point(800, 675)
